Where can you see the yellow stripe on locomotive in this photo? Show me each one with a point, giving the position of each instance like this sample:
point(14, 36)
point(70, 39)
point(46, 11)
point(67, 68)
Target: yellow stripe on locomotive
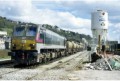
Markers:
point(26, 44)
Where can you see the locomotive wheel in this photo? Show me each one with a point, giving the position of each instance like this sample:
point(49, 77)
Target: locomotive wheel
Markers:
point(27, 63)
point(48, 59)
point(34, 62)
point(40, 60)
point(60, 54)
point(44, 60)
point(51, 56)
point(57, 55)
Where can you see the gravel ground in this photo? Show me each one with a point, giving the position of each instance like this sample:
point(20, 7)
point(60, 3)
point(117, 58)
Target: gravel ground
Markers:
point(21, 75)
point(63, 70)
point(97, 75)
point(26, 74)
point(73, 70)
point(67, 68)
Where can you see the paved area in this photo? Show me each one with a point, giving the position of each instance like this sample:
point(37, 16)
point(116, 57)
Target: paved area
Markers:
point(96, 75)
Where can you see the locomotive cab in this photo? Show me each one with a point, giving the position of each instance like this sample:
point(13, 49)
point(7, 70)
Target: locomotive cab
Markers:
point(23, 44)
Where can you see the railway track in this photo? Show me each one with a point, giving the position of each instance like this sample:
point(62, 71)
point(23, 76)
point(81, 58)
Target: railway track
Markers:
point(6, 63)
point(11, 69)
point(60, 66)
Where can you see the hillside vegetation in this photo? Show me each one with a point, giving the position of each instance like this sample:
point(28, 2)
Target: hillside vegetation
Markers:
point(7, 25)
point(71, 36)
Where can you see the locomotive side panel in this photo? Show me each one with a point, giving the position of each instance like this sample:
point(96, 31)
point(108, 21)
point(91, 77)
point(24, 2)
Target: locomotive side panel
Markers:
point(52, 46)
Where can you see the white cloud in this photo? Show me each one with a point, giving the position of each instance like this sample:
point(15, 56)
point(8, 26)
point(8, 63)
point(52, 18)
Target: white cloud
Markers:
point(29, 13)
point(90, 1)
point(103, 2)
point(117, 25)
point(113, 31)
point(15, 7)
point(25, 10)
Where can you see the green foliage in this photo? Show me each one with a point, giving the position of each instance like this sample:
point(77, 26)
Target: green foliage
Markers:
point(71, 36)
point(7, 25)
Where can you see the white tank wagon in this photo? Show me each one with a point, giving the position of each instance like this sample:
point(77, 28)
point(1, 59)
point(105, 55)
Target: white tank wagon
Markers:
point(99, 26)
point(69, 46)
point(75, 47)
point(81, 46)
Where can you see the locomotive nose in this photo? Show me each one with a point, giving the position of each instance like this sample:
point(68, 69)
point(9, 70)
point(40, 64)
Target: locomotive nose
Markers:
point(23, 44)
point(23, 41)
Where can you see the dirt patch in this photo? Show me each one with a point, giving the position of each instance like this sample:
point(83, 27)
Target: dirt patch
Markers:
point(4, 54)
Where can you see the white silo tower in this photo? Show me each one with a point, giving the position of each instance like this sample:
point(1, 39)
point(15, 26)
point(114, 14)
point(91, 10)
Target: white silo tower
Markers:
point(99, 26)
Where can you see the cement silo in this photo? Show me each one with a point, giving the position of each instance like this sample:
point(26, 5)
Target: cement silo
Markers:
point(99, 26)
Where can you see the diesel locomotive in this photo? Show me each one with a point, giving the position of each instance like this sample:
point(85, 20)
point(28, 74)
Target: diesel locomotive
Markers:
point(32, 44)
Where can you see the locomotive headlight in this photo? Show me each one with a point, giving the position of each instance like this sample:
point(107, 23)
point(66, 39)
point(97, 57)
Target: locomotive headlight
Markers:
point(22, 45)
point(32, 46)
point(14, 46)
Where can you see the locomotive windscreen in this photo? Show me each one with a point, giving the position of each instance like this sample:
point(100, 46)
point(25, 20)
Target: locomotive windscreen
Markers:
point(19, 31)
point(31, 31)
point(118, 46)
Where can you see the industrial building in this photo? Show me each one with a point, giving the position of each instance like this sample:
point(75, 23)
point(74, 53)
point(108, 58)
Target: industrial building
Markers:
point(3, 35)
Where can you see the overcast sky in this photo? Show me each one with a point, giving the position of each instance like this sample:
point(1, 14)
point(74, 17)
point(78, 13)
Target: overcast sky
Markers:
point(74, 15)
